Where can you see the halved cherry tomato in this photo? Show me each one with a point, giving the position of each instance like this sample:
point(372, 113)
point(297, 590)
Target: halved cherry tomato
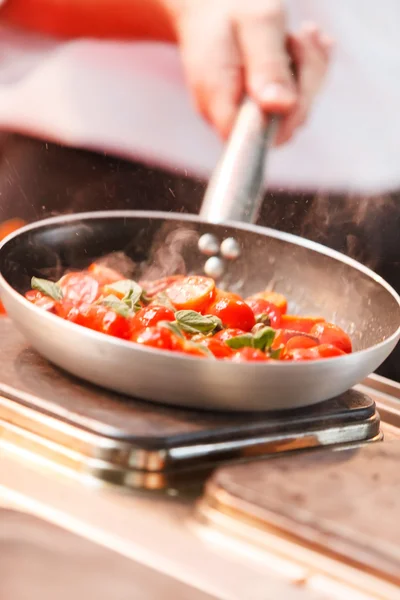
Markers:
point(67, 310)
point(79, 287)
point(283, 336)
point(191, 293)
point(302, 324)
point(158, 337)
point(104, 275)
point(149, 316)
point(249, 355)
point(218, 348)
point(100, 318)
point(152, 288)
point(259, 306)
point(278, 300)
point(318, 352)
point(327, 333)
point(300, 341)
point(39, 299)
point(8, 227)
point(233, 313)
point(227, 334)
point(192, 349)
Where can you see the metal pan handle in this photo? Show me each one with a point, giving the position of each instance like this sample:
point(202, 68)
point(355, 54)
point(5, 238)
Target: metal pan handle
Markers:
point(235, 190)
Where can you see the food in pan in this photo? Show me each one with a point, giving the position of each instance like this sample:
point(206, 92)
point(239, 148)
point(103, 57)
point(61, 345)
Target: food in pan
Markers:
point(190, 315)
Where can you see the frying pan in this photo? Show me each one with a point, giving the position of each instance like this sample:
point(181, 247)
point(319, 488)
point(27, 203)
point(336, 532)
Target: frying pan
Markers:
point(319, 280)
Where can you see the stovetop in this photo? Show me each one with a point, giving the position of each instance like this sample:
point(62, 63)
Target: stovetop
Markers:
point(141, 444)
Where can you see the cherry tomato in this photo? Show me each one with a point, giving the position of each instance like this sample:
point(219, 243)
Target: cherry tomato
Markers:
point(2, 309)
point(104, 275)
point(191, 293)
point(67, 310)
point(259, 306)
point(302, 324)
point(152, 288)
point(39, 299)
point(300, 341)
point(276, 299)
point(227, 334)
point(100, 318)
point(316, 353)
point(249, 355)
point(233, 313)
point(218, 348)
point(327, 333)
point(149, 316)
point(158, 337)
point(283, 336)
point(8, 227)
point(79, 287)
point(192, 349)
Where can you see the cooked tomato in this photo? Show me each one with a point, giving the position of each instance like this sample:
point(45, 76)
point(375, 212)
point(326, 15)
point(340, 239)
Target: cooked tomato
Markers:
point(104, 275)
point(302, 324)
point(39, 299)
point(79, 288)
point(67, 310)
point(227, 334)
point(283, 336)
point(149, 316)
point(318, 352)
point(103, 319)
point(158, 337)
point(233, 313)
point(152, 288)
point(327, 333)
point(191, 293)
point(276, 299)
point(249, 355)
point(8, 227)
point(300, 341)
point(218, 348)
point(192, 349)
point(260, 307)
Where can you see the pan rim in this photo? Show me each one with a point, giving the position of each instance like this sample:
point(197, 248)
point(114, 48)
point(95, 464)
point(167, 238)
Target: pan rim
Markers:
point(283, 236)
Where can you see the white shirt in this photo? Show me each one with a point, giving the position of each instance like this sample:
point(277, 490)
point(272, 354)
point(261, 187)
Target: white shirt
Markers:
point(130, 99)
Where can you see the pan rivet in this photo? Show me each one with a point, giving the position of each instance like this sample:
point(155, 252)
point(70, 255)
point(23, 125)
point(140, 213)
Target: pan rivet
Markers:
point(230, 249)
point(214, 267)
point(208, 244)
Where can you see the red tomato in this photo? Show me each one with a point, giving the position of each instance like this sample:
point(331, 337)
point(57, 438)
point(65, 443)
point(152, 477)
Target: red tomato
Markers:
point(67, 310)
point(158, 337)
point(233, 313)
point(191, 293)
point(316, 353)
point(2, 309)
point(104, 275)
point(327, 333)
point(276, 299)
point(192, 350)
point(103, 319)
point(227, 334)
point(302, 324)
point(249, 355)
point(149, 316)
point(300, 341)
point(152, 288)
point(8, 227)
point(283, 336)
point(259, 306)
point(79, 287)
point(218, 348)
point(39, 299)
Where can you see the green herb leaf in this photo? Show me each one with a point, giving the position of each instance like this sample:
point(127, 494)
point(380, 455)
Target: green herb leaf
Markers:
point(275, 354)
point(263, 318)
point(162, 300)
point(206, 351)
point(48, 288)
point(263, 339)
point(172, 326)
point(129, 289)
point(193, 322)
point(241, 341)
point(117, 305)
point(216, 320)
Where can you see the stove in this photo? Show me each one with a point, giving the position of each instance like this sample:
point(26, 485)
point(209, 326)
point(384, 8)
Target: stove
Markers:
point(138, 444)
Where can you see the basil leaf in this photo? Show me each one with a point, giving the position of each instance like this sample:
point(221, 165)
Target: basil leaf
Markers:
point(48, 288)
point(163, 300)
point(117, 305)
point(172, 326)
point(193, 322)
point(241, 341)
point(264, 338)
point(217, 321)
point(129, 289)
point(275, 354)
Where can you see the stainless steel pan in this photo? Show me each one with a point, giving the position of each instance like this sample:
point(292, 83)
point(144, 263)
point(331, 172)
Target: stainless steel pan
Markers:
point(319, 280)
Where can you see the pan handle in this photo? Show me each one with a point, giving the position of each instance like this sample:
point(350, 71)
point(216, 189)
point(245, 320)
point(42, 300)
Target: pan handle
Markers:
point(235, 190)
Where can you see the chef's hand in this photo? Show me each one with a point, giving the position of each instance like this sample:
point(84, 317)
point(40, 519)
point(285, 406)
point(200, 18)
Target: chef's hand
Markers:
point(233, 47)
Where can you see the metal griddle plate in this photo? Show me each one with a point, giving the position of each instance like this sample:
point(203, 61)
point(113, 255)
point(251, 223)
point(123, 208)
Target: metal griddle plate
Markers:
point(344, 504)
point(136, 443)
